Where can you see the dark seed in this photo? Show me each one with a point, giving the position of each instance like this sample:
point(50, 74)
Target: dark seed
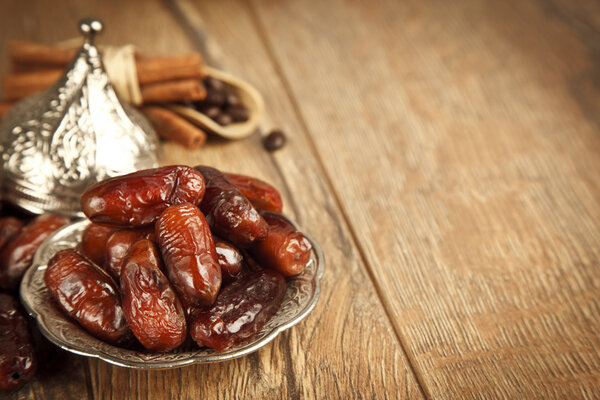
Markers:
point(233, 99)
point(238, 113)
point(211, 112)
point(215, 97)
point(223, 119)
point(274, 140)
point(213, 83)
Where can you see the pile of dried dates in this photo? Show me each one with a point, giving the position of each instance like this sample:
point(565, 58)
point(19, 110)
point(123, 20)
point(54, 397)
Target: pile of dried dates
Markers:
point(169, 251)
point(174, 250)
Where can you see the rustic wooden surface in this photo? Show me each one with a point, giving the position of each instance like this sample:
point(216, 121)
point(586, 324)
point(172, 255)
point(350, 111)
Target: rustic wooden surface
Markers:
point(446, 158)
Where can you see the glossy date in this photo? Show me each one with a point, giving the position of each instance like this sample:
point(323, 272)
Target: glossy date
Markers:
point(150, 304)
point(189, 253)
point(230, 259)
point(139, 198)
point(17, 357)
point(228, 212)
point(117, 246)
point(93, 242)
point(9, 228)
point(240, 311)
point(18, 254)
point(262, 195)
point(285, 249)
point(87, 294)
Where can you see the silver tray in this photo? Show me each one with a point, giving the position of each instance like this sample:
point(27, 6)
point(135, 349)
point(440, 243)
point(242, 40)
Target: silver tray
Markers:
point(300, 298)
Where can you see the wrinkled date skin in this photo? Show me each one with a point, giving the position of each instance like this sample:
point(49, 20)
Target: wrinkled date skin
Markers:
point(119, 243)
point(285, 249)
point(262, 195)
point(150, 304)
point(189, 253)
point(9, 228)
point(229, 213)
point(18, 254)
point(240, 311)
point(230, 259)
point(139, 198)
point(93, 242)
point(87, 294)
point(17, 357)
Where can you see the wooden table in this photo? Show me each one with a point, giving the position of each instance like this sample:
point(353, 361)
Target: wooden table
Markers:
point(445, 156)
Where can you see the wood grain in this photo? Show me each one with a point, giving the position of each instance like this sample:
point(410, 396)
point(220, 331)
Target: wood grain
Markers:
point(343, 340)
point(462, 142)
point(346, 347)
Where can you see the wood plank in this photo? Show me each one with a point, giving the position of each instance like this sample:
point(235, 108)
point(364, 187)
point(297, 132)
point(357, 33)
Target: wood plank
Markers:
point(462, 141)
point(347, 346)
point(330, 364)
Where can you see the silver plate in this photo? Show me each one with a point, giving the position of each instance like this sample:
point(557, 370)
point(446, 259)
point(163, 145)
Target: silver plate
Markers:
point(300, 298)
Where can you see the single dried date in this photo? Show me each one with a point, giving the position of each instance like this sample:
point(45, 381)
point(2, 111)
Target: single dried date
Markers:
point(150, 304)
point(240, 311)
point(9, 228)
point(230, 259)
point(189, 253)
point(87, 294)
point(18, 254)
point(93, 242)
point(17, 357)
point(228, 212)
point(285, 249)
point(262, 195)
point(119, 243)
point(139, 198)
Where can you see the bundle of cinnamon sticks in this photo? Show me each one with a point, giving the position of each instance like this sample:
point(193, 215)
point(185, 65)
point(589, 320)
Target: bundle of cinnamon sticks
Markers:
point(162, 80)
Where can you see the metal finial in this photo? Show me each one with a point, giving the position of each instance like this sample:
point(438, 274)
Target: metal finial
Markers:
point(90, 27)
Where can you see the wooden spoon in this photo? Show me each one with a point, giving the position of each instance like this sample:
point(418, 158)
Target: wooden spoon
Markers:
point(250, 98)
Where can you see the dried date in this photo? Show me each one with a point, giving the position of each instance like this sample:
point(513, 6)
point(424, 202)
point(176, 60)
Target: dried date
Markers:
point(139, 198)
point(262, 195)
point(18, 254)
point(17, 357)
point(87, 294)
point(9, 228)
point(228, 212)
point(150, 304)
point(285, 249)
point(118, 244)
point(189, 253)
point(230, 259)
point(93, 242)
point(240, 311)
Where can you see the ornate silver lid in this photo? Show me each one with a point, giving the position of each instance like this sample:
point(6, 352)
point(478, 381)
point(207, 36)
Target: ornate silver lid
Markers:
point(56, 143)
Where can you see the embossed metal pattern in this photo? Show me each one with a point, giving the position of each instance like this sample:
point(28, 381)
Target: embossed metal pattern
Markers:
point(300, 298)
point(56, 143)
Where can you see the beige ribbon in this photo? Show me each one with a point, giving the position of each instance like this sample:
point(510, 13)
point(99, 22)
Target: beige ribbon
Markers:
point(119, 62)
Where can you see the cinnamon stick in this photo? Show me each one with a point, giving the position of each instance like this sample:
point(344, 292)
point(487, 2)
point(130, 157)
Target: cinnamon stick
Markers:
point(160, 69)
point(17, 86)
point(171, 126)
point(28, 56)
point(24, 52)
point(166, 92)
